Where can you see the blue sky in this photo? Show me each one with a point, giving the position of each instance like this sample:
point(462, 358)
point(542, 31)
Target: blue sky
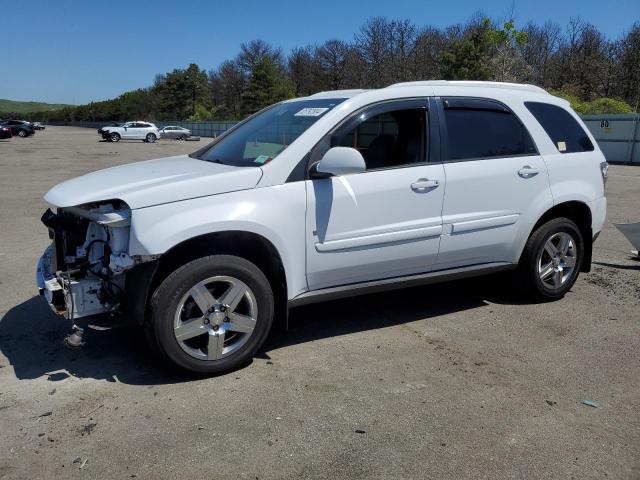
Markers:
point(78, 51)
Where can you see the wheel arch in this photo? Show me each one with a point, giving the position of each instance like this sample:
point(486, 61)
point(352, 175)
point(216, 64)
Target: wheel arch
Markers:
point(248, 245)
point(580, 213)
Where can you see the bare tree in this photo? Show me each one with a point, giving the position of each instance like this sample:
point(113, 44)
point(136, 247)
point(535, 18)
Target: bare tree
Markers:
point(255, 51)
point(539, 49)
point(403, 35)
point(304, 70)
point(228, 82)
point(426, 56)
point(373, 43)
point(332, 57)
point(628, 66)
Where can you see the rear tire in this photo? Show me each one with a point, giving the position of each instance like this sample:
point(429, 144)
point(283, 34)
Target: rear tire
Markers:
point(115, 137)
point(22, 133)
point(224, 307)
point(150, 138)
point(551, 260)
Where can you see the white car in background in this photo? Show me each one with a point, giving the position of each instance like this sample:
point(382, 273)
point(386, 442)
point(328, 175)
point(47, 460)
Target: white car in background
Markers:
point(176, 132)
point(145, 131)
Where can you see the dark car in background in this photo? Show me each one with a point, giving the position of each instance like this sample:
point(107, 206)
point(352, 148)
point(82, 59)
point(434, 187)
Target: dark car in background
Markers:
point(19, 127)
point(5, 132)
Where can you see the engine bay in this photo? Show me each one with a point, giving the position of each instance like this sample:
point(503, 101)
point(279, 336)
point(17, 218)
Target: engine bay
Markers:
point(81, 273)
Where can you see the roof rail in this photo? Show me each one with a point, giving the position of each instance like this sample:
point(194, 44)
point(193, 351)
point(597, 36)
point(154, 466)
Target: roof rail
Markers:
point(337, 93)
point(471, 83)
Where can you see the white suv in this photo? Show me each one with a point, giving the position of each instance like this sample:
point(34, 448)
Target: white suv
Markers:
point(337, 194)
point(144, 131)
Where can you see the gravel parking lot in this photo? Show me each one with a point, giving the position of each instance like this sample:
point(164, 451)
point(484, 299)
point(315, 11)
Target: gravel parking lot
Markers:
point(459, 380)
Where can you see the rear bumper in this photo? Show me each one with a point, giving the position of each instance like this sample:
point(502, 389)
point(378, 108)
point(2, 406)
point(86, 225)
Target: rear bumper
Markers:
point(598, 209)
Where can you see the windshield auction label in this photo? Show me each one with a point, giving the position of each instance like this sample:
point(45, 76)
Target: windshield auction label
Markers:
point(311, 112)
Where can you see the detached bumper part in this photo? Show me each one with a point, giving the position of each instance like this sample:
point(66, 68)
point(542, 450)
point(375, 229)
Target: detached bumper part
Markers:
point(632, 232)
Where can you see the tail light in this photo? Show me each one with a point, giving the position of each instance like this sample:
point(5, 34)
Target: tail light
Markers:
point(604, 170)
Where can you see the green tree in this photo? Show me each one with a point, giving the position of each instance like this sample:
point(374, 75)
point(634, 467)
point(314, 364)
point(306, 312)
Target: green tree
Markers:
point(267, 85)
point(506, 44)
point(180, 91)
point(598, 106)
point(606, 105)
point(467, 58)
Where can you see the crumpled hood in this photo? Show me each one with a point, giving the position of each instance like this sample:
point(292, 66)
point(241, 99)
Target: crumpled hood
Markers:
point(153, 182)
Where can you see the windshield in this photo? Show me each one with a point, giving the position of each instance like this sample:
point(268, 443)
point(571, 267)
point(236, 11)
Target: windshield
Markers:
point(261, 138)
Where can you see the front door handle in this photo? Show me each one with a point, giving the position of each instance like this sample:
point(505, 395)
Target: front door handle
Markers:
point(527, 171)
point(424, 184)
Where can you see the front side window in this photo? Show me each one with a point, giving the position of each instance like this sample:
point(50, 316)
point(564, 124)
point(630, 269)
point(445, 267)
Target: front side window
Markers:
point(261, 138)
point(565, 132)
point(390, 139)
point(478, 128)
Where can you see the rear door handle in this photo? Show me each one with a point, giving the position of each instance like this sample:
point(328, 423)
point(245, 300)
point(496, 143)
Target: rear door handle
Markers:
point(528, 172)
point(424, 184)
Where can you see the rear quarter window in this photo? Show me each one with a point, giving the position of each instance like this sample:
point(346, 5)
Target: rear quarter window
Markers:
point(564, 131)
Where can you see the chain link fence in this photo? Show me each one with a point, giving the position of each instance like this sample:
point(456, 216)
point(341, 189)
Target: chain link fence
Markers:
point(617, 135)
point(200, 129)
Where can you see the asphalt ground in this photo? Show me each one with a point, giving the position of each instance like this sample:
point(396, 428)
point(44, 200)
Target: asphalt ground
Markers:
point(457, 380)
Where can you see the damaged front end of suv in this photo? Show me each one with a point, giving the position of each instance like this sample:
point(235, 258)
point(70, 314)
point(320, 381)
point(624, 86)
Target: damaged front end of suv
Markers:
point(83, 272)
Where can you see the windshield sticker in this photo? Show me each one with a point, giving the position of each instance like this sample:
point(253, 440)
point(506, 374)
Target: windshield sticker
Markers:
point(311, 112)
point(262, 159)
point(562, 146)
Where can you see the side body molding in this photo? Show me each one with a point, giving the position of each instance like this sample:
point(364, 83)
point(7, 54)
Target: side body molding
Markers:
point(483, 223)
point(379, 239)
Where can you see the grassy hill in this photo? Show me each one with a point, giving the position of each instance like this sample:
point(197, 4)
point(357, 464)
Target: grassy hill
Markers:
point(11, 106)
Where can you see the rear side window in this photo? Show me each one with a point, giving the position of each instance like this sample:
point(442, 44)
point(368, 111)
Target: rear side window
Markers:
point(478, 128)
point(565, 132)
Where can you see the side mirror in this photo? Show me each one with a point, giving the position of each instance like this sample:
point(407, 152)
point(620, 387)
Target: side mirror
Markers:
point(339, 161)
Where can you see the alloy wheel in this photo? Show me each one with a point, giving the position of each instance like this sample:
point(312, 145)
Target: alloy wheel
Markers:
point(215, 318)
point(557, 260)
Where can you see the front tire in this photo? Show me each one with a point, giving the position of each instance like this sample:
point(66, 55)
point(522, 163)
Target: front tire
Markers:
point(551, 260)
point(115, 137)
point(22, 133)
point(211, 315)
point(150, 138)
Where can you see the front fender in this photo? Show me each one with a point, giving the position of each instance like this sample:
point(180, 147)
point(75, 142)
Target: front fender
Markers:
point(276, 213)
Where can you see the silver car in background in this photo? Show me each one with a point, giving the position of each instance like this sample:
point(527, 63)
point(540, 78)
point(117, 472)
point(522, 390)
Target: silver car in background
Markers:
point(173, 131)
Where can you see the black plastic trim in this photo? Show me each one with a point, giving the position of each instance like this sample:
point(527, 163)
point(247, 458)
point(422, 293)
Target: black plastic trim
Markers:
point(136, 291)
point(396, 283)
